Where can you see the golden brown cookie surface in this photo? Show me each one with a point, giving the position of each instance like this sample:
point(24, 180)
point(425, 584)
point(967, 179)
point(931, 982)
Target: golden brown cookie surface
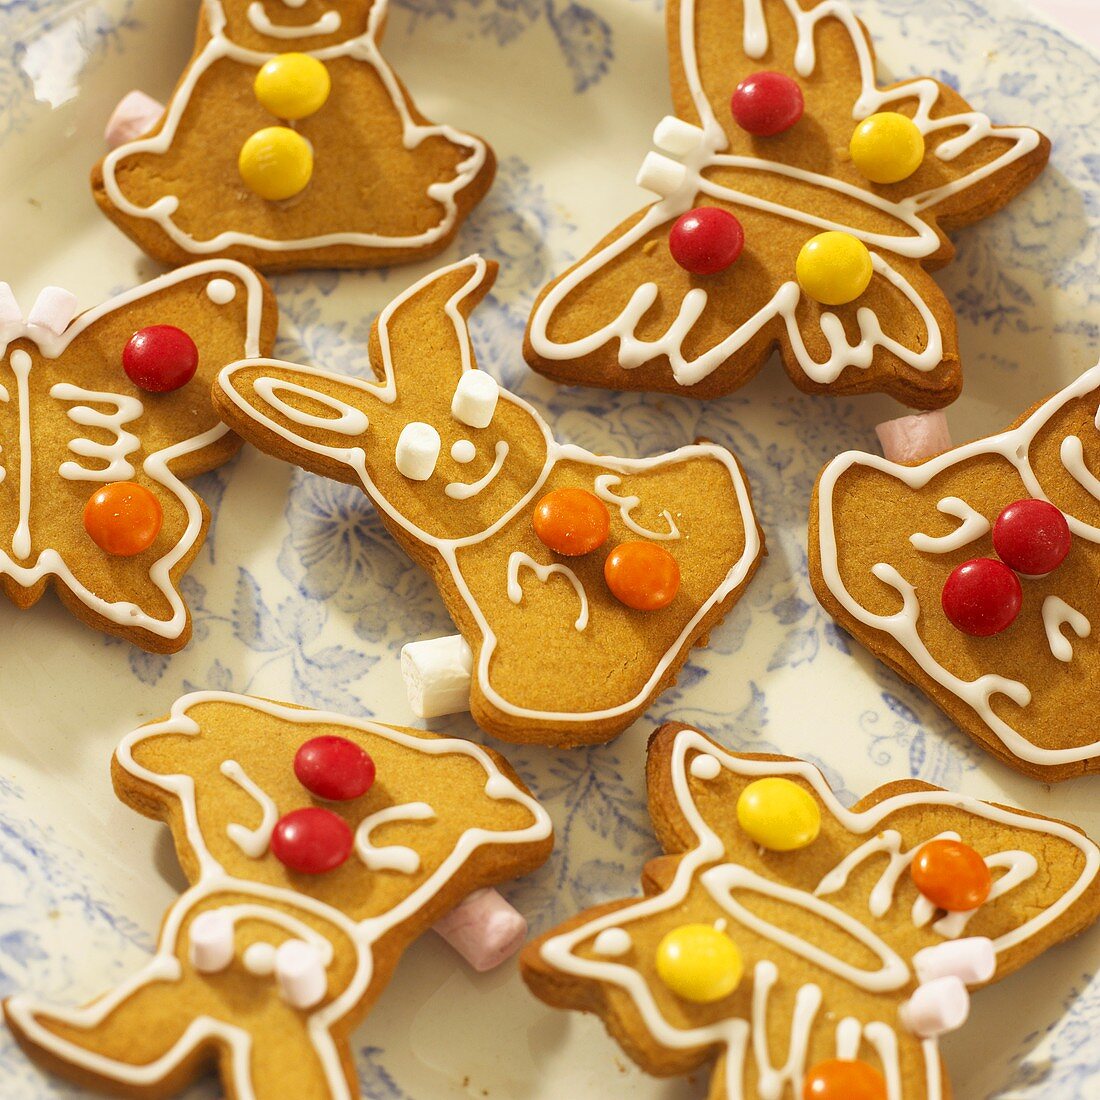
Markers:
point(557, 656)
point(73, 424)
point(885, 538)
point(285, 940)
point(836, 945)
point(382, 184)
point(629, 316)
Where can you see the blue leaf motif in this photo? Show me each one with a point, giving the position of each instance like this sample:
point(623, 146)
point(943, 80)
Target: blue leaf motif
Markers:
point(797, 648)
point(585, 40)
point(253, 622)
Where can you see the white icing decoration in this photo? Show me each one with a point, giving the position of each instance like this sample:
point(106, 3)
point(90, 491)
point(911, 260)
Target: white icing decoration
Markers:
point(720, 879)
point(329, 23)
point(771, 1082)
point(354, 457)
point(253, 842)
point(221, 291)
point(628, 504)
point(363, 48)
point(519, 560)
point(127, 409)
point(463, 451)
point(347, 421)
point(972, 527)
point(259, 959)
point(612, 943)
point(458, 490)
point(4, 398)
point(1056, 614)
point(920, 242)
point(705, 766)
point(1013, 446)
point(213, 879)
point(157, 466)
point(1073, 458)
point(396, 857)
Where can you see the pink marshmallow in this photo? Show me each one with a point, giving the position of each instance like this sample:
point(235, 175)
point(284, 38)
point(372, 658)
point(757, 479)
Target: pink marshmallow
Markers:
point(10, 313)
point(485, 929)
point(914, 438)
point(54, 308)
point(972, 961)
point(936, 1007)
point(135, 115)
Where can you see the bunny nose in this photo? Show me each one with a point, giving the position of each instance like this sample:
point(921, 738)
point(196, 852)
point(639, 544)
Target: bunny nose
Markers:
point(300, 972)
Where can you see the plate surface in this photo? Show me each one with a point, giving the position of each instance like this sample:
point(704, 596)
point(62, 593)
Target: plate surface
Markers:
point(301, 594)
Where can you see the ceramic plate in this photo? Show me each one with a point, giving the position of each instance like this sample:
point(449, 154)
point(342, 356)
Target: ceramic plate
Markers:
point(300, 593)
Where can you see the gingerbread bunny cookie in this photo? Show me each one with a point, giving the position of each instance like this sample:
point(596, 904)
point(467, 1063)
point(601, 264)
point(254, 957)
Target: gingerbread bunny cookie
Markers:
point(100, 418)
point(579, 582)
point(318, 847)
point(974, 575)
point(809, 949)
point(290, 143)
point(800, 206)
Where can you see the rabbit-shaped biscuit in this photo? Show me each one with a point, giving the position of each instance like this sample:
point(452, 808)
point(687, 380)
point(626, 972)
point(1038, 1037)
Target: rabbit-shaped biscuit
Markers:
point(556, 657)
point(74, 425)
point(635, 313)
point(836, 954)
point(372, 182)
point(266, 965)
point(885, 538)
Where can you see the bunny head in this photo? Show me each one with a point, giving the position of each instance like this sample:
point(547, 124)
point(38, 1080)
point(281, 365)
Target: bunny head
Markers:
point(839, 953)
point(276, 26)
point(440, 450)
point(242, 978)
point(1017, 691)
point(440, 816)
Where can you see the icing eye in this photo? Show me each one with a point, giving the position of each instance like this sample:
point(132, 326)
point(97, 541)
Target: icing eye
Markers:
point(162, 358)
point(571, 521)
point(706, 241)
point(211, 946)
point(982, 597)
point(834, 268)
point(292, 85)
point(475, 399)
point(699, 963)
point(334, 768)
point(767, 103)
point(951, 875)
point(462, 450)
point(123, 518)
point(311, 841)
point(276, 163)
point(839, 1079)
point(1032, 537)
point(642, 575)
point(887, 147)
point(417, 451)
point(778, 814)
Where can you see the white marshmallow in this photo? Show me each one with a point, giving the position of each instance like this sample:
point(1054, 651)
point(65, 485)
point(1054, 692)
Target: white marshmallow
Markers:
point(674, 135)
point(300, 972)
point(211, 935)
point(661, 175)
point(972, 961)
point(10, 313)
point(914, 438)
point(485, 929)
point(437, 675)
point(936, 1007)
point(417, 451)
point(54, 308)
point(475, 399)
point(135, 115)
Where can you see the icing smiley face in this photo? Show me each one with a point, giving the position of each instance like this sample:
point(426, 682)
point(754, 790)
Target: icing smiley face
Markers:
point(766, 95)
point(281, 25)
point(821, 966)
point(269, 966)
point(617, 565)
point(1010, 654)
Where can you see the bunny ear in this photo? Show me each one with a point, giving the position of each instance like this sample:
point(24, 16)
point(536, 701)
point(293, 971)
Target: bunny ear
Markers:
point(420, 343)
